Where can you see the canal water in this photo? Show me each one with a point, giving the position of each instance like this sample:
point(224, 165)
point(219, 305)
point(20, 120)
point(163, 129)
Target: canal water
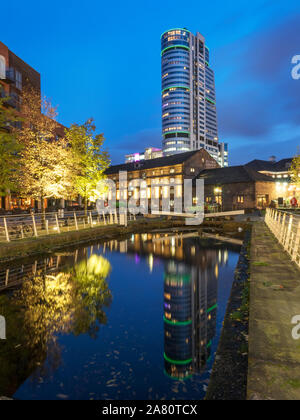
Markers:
point(133, 319)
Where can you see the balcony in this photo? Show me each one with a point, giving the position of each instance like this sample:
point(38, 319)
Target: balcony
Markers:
point(12, 99)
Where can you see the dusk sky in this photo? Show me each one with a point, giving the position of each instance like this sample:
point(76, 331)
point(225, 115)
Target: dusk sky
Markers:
point(102, 59)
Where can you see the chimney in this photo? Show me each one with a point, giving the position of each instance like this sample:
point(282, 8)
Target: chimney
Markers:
point(272, 159)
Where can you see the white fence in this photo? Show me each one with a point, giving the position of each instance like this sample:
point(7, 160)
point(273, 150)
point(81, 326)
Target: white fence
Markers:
point(18, 227)
point(286, 228)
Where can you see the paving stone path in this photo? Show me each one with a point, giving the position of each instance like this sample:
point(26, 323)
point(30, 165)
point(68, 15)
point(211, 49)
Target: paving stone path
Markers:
point(274, 356)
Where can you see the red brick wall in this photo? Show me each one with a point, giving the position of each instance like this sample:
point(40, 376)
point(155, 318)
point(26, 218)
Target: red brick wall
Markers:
point(199, 161)
point(249, 191)
point(29, 75)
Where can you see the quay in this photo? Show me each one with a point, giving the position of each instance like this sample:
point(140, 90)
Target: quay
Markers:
point(274, 355)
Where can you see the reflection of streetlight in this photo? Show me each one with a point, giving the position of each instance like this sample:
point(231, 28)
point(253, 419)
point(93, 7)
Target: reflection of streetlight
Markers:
point(150, 261)
point(217, 270)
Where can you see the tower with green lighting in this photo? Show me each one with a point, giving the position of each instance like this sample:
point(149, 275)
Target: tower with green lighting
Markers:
point(189, 116)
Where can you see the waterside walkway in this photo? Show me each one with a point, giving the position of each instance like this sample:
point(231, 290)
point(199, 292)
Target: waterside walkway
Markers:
point(274, 355)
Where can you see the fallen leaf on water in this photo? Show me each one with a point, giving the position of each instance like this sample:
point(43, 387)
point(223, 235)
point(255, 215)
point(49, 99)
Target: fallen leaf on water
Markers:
point(62, 396)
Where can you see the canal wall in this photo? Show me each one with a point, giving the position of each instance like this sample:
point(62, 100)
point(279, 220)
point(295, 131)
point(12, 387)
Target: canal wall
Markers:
point(47, 244)
point(274, 340)
point(228, 380)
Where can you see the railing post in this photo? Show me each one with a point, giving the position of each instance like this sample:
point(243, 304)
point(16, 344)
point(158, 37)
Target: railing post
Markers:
point(277, 227)
point(75, 219)
point(57, 223)
point(288, 234)
point(297, 245)
point(281, 235)
point(104, 218)
point(34, 225)
point(22, 232)
point(7, 277)
point(47, 226)
point(6, 229)
point(91, 219)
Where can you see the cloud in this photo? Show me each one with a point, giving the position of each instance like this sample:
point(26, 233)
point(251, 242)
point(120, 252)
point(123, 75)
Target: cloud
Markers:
point(282, 142)
point(258, 91)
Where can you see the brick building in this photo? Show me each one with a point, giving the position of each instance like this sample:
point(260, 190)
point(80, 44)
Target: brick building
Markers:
point(252, 186)
point(15, 74)
point(169, 170)
point(279, 171)
point(238, 188)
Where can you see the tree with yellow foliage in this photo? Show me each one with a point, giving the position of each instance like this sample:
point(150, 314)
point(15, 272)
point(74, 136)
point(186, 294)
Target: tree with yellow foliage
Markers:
point(46, 161)
point(295, 171)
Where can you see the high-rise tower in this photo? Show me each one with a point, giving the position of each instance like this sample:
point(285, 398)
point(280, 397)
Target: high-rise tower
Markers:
point(189, 117)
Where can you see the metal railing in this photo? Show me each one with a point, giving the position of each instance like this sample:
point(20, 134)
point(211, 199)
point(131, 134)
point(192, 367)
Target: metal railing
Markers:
point(23, 226)
point(286, 228)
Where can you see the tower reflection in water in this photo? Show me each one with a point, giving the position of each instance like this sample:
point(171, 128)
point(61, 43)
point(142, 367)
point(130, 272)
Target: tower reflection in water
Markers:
point(190, 316)
point(190, 298)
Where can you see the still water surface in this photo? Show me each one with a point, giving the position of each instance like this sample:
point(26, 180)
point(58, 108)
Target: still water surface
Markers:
point(136, 319)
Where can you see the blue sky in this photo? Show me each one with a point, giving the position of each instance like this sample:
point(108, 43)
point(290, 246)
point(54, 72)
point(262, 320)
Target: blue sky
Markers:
point(102, 59)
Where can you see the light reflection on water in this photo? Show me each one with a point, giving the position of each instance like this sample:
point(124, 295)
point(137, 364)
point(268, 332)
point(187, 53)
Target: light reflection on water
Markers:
point(135, 319)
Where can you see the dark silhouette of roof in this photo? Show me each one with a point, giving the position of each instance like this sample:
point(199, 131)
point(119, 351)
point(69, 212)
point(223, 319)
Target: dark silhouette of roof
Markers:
point(265, 165)
point(232, 174)
point(152, 163)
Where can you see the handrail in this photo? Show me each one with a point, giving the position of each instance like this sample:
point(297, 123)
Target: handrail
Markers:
point(16, 227)
point(286, 228)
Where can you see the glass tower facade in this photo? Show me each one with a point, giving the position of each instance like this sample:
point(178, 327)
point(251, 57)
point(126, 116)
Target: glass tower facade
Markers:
point(189, 116)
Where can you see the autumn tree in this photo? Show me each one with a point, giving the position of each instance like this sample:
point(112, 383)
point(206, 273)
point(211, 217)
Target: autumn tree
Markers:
point(295, 171)
point(46, 160)
point(89, 159)
point(9, 147)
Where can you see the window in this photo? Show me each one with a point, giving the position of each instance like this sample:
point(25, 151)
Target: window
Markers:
point(192, 170)
point(240, 199)
point(2, 67)
point(18, 80)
